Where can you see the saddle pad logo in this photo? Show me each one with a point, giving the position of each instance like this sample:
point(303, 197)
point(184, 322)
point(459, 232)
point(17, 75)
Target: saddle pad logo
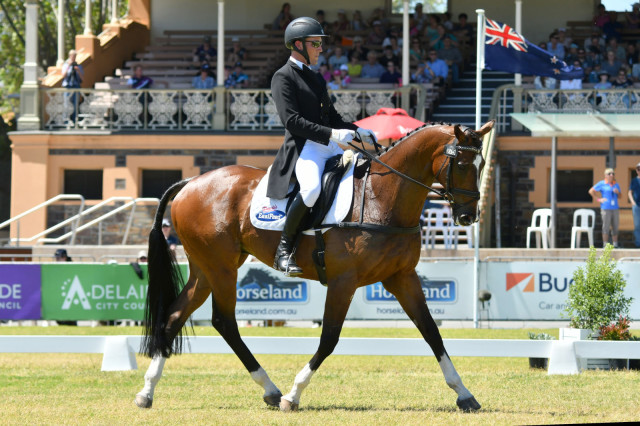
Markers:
point(516, 278)
point(270, 214)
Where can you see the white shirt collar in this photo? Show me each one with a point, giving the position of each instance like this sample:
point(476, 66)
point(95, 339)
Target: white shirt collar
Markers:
point(300, 64)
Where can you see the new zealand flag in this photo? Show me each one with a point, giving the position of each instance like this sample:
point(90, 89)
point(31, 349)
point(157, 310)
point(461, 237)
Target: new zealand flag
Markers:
point(506, 50)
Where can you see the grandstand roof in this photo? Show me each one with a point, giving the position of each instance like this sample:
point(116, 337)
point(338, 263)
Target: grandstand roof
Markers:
point(580, 125)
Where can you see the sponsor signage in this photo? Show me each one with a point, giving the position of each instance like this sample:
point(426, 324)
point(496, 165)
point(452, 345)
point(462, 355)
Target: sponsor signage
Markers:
point(443, 291)
point(20, 297)
point(270, 214)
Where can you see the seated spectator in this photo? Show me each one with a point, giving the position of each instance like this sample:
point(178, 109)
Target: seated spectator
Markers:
point(238, 79)
point(320, 18)
point(205, 52)
point(354, 66)
point(593, 75)
point(436, 69)
point(172, 241)
point(337, 59)
point(342, 23)
point(393, 33)
point(419, 18)
point(392, 42)
point(593, 57)
point(431, 31)
point(554, 47)
point(595, 40)
point(571, 54)
point(62, 256)
point(379, 15)
point(283, 19)
point(621, 54)
point(622, 80)
point(372, 69)
point(563, 38)
point(420, 76)
point(324, 72)
point(544, 83)
point(416, 51)
point(322, 60)
point(336, 82)
point(344, 76)
point(142, 256)
point(357, 23)
point(203, 80)
point(633, 17)
point(448, 25)
point(388, 55)
point(358, 48)
point(237, 53)
point(452, 56)
point(438, 43)
point(376, 36)
point(391, 75)
point(611, 65)
point(602, 84)
point(138, 80)
point(631, 55)
point(464, 30)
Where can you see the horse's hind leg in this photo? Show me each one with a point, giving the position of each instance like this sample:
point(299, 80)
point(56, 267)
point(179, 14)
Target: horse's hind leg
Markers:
point(194, 293)
point(406, 287)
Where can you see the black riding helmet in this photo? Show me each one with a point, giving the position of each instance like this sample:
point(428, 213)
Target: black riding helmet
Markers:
point(299, 29)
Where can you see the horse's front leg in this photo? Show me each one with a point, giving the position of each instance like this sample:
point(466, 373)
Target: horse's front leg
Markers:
point(406, 287)
point(335, 310)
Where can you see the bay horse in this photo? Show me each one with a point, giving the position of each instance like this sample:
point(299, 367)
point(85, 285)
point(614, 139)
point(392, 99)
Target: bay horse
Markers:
point(211, 216)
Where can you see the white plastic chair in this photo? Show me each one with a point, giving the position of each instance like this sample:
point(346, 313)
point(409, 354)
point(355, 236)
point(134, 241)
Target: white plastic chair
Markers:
point(541, 227)
point(584, 220)
point(457, 232)
point(437, 227)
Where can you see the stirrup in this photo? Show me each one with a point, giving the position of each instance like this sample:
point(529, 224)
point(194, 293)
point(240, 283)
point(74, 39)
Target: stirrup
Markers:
point(290, 269)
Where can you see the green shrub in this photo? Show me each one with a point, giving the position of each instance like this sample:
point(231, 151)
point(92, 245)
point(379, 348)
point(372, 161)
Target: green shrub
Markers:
point(540, 336)
point(596, 297)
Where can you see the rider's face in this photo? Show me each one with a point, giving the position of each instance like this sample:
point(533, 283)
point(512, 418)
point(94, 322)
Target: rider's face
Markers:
point(314, 52)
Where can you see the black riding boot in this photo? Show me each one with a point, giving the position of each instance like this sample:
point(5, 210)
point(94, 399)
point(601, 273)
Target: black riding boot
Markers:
point(285, 260)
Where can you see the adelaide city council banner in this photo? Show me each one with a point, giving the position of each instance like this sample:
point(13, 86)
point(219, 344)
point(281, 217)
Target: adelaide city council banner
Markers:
point(19, 292)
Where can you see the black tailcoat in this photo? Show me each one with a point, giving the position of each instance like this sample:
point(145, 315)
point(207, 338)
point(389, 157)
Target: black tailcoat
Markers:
point(307, 112)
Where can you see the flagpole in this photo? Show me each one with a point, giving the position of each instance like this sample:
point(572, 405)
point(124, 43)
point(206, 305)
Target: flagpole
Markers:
point(518, 76)
point(476, 226)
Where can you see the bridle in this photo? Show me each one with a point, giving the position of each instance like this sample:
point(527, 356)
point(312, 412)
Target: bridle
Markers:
point(451, 151)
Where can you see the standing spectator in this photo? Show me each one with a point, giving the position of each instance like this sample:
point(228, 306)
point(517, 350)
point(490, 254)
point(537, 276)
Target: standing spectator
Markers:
point(203, 80)
point(391, 75)
point(436, 69)
point(611, 65)
point(602, 17)
point(633, 17)
point(72, 76)
point(634, 199)
point(357, 23)
point(337, 59)
point(321, 20)
point(166, 231)
point(554, 47)
point(372, 69)
point(283, 19)
point(358, 48)
point(139, 80)
point(237, 53)
point(612, 28)
point(344, 76)
point(376, 36)
point(610, 192)
point(205, 52)
point(142, 256)
point(342, 23)
point(419, 18)
point(354, 66)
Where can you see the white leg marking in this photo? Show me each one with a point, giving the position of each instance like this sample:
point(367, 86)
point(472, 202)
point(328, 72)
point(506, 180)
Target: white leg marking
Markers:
point(302, 380)
point(452, 378)
point(152, 376)
point(262, 378)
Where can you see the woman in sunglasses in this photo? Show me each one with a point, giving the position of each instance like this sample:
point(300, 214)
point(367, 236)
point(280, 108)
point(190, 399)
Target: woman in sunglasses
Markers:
point(610, 192)
point(313, 130)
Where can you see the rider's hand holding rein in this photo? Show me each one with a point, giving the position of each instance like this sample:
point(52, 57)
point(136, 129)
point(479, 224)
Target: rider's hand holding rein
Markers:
point(366, 136)
point(342, 136)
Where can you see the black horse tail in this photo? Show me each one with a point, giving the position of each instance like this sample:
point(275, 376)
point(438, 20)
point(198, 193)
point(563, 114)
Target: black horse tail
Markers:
point(165, 283)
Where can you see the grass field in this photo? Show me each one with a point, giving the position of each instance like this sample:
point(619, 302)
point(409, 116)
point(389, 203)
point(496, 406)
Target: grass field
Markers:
point(215, 389)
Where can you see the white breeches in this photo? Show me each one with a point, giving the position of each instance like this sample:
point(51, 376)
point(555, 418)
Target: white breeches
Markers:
point(310, 166)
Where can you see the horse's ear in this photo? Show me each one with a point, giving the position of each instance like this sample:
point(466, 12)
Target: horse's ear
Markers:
point(459, 133)
point(486, 128)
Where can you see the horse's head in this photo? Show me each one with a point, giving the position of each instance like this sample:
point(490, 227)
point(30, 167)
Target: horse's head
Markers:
point(457, 167)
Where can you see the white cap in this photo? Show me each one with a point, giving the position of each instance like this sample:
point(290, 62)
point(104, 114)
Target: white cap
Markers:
point(344, 67)
point(165, 222)
point(142, 253)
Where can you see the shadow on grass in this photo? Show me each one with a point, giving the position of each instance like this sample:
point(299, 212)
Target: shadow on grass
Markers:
point(357, 408)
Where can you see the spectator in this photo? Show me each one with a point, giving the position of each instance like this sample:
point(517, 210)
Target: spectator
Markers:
point(376, 36)
point(393, 33)
point(595, 40)
point(205, 52)
point(72, 76)
point(464, 30)
point(431, 31)
point(337, 59)
point(448, 25)
point(602, 84)
point(228, 81)
point(581, 55)
point(139, 80)
point(563, 38)
point(601, 17)
point(388, 55)
point(610, 192)
point(372, 69)
point(166, 231)
point(336, 82)
point(392, 42)
point(612, 28)
point(62, 256)
point(544, 83)
point(621, 54)
point(325, 73)
point(354, 66)
point(573, 84)
point(322, 60)
point(237, 53)
point(320, 18)
point(452, 56)
point(420, 76)
point(283, 19)
point(634, 199)
point(239, 80)
point(358, 48)
point(571, 54)
point(342, 23)
point(438, 43)
point(622, 81)
point(379, 16)
point(391, 75)
point(344, 76)
point(631, 55)
point(416, 51)
point(593, 57)
point(357, 23)
point(611, 65)
point(554, 47)
point(142, 256)
point(436, 69)
point(633, 17)
point(203, 80)
point(419, 18)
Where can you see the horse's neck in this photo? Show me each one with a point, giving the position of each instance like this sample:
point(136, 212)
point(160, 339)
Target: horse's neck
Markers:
point(399, 201)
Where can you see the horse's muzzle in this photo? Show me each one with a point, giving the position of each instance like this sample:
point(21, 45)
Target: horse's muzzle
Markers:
point(466, 219)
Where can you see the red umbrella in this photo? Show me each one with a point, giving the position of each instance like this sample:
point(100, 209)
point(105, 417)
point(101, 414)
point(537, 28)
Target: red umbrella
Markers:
point(391, 123)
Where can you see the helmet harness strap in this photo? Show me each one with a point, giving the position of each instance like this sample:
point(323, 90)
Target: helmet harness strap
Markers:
point(302, 51)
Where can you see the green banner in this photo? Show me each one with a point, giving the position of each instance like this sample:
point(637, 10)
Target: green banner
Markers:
point(94, 292)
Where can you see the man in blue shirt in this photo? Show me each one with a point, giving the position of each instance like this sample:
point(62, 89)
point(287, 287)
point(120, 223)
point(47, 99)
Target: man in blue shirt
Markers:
point(610, 191)
point(372, 69)
point(436, 70)
point(634, 198)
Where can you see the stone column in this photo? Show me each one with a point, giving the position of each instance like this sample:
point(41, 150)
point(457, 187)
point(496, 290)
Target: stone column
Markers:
point(61, 55)
point(114, 11)
point(29, 91)
point(87, 18)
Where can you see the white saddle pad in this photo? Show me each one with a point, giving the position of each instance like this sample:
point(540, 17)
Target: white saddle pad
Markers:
point(268, 213)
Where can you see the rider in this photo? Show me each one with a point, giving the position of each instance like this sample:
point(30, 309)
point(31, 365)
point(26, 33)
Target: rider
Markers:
point(313, 130)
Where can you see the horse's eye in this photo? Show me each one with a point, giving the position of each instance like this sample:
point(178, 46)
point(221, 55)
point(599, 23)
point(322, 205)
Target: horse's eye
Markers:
point(462, 166)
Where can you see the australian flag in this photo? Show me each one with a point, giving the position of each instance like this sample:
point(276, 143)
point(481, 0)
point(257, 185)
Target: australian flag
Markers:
point(506, 50)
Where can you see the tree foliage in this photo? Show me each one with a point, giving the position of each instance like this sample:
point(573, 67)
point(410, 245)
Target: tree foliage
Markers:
point(596, 297)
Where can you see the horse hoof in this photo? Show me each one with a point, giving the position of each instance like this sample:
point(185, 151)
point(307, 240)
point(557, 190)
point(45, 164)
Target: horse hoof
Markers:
point(143, 402)
point(468, 405)
point(288, 406)
point(273, 400)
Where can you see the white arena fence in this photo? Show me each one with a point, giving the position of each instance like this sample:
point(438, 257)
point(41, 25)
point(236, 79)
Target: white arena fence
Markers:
point(565, 356)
